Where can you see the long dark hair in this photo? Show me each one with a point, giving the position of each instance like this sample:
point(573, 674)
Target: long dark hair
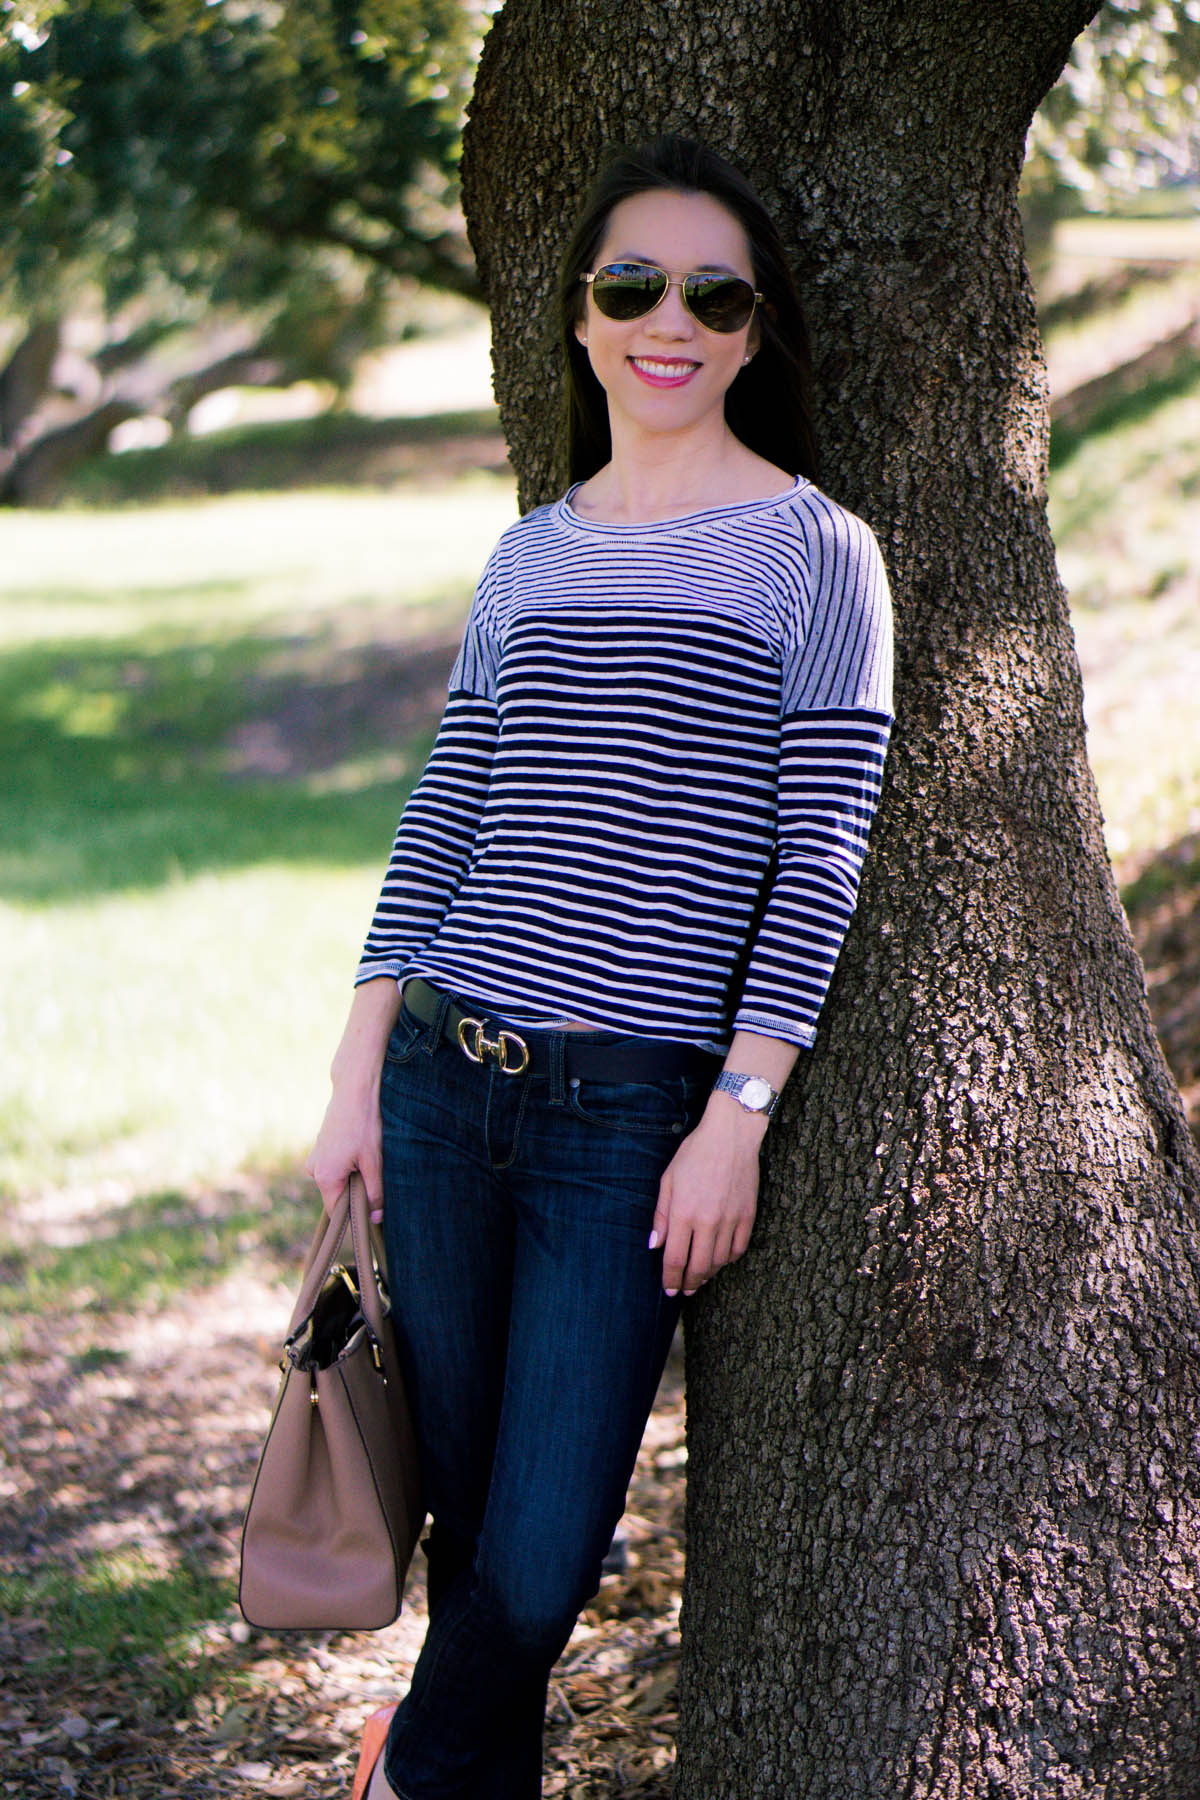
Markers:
point(768, 404)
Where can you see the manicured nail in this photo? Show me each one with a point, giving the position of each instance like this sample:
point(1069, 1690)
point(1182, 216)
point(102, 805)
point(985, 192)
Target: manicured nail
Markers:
point(653, 1245)
point(670, 1293)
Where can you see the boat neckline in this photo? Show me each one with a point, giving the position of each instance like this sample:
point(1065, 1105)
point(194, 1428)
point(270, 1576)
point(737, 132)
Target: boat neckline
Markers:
point(700, 515)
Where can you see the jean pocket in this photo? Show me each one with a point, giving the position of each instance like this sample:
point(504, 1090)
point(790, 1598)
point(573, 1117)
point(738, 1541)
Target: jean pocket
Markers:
point(640, 1108)
point(407, 1037)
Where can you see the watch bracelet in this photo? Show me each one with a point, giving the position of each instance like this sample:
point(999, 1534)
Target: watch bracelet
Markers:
point(734, 1083)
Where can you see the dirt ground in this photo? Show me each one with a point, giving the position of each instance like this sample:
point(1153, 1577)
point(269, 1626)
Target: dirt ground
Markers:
point(138, 1432)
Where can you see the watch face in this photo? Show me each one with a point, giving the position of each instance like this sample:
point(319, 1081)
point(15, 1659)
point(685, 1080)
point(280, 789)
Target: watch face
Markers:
point(756, 1094)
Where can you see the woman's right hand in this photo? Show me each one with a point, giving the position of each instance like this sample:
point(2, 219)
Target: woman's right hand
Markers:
point(351, 1135)
point(350, 1138)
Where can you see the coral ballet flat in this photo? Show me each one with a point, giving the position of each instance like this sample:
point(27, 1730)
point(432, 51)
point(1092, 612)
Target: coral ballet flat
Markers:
point(374, 1738)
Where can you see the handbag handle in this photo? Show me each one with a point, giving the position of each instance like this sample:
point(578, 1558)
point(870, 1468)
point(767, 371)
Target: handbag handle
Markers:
point(350, 1208)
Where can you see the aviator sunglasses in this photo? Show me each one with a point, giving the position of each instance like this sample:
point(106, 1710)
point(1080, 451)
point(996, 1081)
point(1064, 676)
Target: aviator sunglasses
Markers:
point(631, 290)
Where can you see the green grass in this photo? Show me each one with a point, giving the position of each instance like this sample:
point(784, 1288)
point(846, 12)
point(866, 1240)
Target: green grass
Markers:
point(1177, 871)
point(179, 923)
point(124, 1616)
point(154, 1038)
point(322, 557)
point(332, 449)
point(143, 1251)
point(1125, 512)
point(1165, 226)
point(1125, 410)
point(127, 765)
point(1125, 505)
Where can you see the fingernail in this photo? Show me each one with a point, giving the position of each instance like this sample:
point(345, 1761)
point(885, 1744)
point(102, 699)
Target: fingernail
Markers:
point(671, 1293)
point(653, 1245)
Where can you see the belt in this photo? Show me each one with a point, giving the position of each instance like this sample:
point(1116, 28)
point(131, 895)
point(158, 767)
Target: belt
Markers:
point(484, 1039)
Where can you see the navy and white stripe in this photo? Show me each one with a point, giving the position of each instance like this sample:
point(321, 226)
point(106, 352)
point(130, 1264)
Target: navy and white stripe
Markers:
point(640, 719)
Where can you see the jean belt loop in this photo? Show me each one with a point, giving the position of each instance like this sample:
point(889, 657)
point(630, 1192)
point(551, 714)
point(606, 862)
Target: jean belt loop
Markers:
point(438, 1022)
point(558, 1067)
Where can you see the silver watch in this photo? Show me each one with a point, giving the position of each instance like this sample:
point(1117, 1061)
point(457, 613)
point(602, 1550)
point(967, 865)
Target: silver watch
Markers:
point(750, 1091)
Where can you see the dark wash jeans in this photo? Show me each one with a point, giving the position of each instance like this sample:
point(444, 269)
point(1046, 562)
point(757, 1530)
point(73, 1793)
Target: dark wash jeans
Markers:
point(533, 1331)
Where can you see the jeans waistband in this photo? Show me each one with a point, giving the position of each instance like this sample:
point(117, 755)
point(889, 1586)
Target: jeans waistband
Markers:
point(484, 1038)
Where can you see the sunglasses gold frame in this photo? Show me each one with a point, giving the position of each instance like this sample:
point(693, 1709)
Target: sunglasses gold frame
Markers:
point(679, 281)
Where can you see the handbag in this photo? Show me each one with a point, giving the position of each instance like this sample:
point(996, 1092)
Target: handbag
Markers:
point(336, 1509)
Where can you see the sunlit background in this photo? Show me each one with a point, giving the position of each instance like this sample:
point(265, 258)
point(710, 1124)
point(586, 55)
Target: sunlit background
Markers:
point(252, 469)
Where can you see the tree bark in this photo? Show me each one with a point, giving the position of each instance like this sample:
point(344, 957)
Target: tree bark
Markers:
point(943, 1487)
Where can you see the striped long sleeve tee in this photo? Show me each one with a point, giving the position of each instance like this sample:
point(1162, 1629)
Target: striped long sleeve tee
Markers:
point(647, 805)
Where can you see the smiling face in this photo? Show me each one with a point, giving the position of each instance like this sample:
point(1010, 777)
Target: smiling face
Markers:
point(666, 372)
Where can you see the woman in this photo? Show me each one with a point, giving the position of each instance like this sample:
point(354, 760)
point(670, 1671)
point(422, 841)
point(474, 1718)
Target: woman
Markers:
point(614, 903)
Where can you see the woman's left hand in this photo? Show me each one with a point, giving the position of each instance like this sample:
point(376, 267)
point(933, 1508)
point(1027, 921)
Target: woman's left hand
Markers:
point(708, 1196)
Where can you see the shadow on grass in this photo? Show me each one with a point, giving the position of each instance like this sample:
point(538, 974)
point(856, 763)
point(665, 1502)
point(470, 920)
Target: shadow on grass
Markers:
point(1171, 873)
point(331, 450)
point(141, 1252)
point(138, 1389)
point(1162, 902)
point(1102, 293)
point(114, 1612)
point(1126, 396)
point(127, 765)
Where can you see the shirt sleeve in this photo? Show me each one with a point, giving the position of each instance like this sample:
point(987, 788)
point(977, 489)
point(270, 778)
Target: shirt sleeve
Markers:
point(836, 717)
point(438, 827)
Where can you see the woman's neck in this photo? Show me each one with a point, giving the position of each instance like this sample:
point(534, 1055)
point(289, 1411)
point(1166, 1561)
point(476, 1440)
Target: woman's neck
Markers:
point(663, 477)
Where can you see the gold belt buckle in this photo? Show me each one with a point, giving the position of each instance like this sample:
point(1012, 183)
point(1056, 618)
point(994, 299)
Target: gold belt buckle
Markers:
point(497, 1048)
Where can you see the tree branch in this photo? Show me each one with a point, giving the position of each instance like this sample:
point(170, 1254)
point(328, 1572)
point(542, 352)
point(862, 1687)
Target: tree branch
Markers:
point(32, 473)
point(443, 261)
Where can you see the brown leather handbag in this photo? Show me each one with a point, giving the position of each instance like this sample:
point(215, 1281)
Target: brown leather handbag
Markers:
point(336, 1509)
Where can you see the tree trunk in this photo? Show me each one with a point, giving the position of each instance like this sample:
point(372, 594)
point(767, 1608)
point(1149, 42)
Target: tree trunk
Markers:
point(33, 474)
point(943, 1486)
point(26, 376)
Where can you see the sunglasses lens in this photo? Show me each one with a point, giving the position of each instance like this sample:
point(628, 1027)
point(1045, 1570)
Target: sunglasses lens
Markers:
point(719, 302)
point(628, 290)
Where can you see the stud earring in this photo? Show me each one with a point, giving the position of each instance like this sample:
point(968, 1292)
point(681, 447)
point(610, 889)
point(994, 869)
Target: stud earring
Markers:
point(745, 360)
